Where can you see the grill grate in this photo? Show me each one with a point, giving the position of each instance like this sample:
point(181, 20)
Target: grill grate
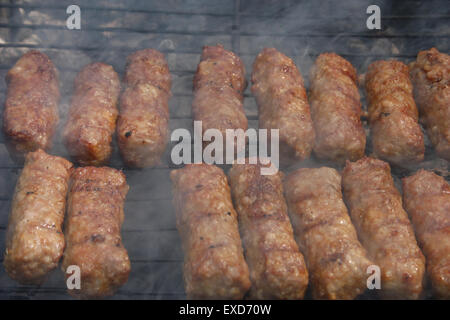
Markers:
point(113, 29)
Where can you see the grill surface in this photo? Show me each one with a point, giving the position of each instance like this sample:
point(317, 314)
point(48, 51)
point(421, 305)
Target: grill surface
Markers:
point(113, 29)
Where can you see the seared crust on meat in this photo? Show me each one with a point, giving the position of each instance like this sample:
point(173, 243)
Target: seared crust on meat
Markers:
point(93, 113)
point(34, 239)
point(393, 115)
point(94, 218)
point(214, 265)
point(427, 199)
point(31, 107)
point(337, 262)
point(277, 268)
point(282, 102)
point(219, 85)
point(336, 110)
point(142, 126)
point(430, 74)
point(383, 227)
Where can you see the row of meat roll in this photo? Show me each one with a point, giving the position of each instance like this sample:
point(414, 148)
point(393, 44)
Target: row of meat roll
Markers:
point(325, 247)
point(271, 237)
point(35, 242)
point(140, 120)
point(329, 124)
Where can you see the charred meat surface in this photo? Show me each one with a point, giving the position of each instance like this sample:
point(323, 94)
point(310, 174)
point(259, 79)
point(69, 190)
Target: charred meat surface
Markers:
point(277, 268)
point(94, 219)
point(430, 74)
point(31, 107)
point(142, 126)
point(336, 260)
point(92, 116)
point(427, 200)
point(383, 227)
point(34, 238)
point(219, 85)
point(214, 265)
point(336, 110)
point(282, 103)
point(393, 115)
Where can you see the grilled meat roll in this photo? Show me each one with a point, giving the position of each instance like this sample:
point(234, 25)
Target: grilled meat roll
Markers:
point(282, 102)
point(336, 260)
point(277, 268)
point(430, 74)
point(393, 115)
point(94, 219)
point(92, 115)
point(34, 239)
point(336, 110)
point(219, 85)
point(383, 227)
point(214, 265)
point(142, 126)
point(427, 200)
point(31, 107)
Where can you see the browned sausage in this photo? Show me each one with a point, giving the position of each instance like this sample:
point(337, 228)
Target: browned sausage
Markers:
point(31, 107)
point(393, 115)
point(336, 110)
point(219, 85)
point(93, 113)
point(427, 199)
point(277, 268)
point(337, 262)
point(430, 74)
point(214, 265)
point(142, 126)
point(34, 239)
point(94, 218)
point(281, 96)
point(383, 227)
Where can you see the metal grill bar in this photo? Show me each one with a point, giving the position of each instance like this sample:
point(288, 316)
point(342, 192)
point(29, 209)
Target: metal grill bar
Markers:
point(237, 11)
point(33, 46)
point(124, 10)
